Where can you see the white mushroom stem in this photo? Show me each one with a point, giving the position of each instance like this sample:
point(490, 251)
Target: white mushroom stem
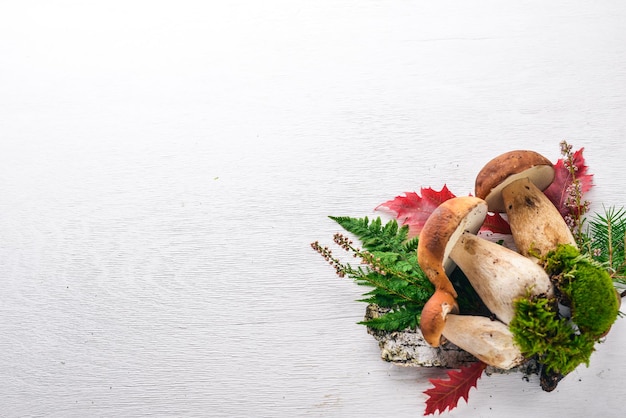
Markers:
point(489, 341)
point(536, 224)
point(499, 275)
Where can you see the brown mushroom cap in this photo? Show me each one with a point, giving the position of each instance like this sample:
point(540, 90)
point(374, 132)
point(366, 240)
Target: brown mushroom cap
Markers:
point(433, 317)
point(508, 167)
point(441, 232)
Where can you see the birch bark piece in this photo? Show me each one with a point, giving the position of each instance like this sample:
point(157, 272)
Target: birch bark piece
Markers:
point(408, 348)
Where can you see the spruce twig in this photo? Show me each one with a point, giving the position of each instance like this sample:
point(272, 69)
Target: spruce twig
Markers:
point(607, 241)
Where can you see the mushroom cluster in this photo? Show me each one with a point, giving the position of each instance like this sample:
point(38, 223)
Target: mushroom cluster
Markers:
point(513, 184)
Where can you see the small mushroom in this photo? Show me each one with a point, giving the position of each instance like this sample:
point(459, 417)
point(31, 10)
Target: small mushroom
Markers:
point(499, 275)
point(434, 313)
point(487, 340)
point(513, 183)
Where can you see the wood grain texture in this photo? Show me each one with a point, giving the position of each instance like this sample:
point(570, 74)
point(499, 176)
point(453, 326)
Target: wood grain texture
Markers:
point(164, 167)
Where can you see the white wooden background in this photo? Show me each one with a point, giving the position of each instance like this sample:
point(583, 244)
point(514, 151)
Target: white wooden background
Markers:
point(164, 166)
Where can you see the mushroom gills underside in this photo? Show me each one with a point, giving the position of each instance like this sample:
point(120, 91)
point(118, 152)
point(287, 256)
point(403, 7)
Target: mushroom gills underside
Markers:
point(539, 175)
point(471, 223)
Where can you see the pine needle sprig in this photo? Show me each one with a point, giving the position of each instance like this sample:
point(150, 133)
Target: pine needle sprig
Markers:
point(388, 265)
point(607, 241)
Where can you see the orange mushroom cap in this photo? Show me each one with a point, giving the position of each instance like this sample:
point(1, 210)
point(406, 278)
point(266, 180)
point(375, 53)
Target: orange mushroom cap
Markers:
point(442, 230)
point(433, 317)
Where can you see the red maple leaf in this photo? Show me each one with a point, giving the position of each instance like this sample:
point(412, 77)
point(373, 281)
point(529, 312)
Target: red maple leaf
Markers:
point(494, 222)
point(446, 393)
point(413, 210)
point(558, 191)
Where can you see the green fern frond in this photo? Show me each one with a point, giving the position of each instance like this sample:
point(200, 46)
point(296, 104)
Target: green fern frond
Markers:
point(373, 235)
point(411, 245)
point(382, 298)
point(401, 318)
point(388, 266)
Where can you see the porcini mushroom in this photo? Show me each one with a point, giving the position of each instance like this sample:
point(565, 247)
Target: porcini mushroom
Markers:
point(499, 275)
point(441, 231)
point(513, 183)
point(488, 340)
point(434, 313)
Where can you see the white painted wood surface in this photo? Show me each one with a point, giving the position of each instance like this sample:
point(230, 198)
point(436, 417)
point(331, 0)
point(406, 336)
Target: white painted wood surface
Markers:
point(165, 165)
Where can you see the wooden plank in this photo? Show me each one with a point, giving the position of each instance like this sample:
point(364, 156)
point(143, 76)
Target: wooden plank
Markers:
point(164, 167)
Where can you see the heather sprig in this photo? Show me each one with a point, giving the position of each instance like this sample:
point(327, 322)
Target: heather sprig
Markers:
point(575, 203)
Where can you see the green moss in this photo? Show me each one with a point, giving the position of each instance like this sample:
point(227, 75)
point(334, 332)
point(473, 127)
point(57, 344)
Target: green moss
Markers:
point(560, 260)
point(562, 343)
point(594, 302)
point(539, 331)
point(586, 287)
